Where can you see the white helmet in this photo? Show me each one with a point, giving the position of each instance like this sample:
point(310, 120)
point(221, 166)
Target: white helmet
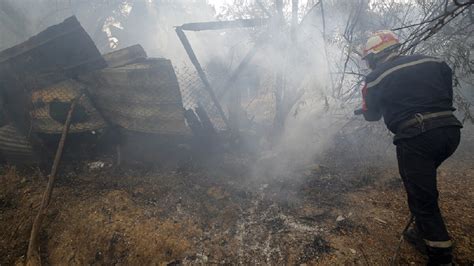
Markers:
point(380, 41)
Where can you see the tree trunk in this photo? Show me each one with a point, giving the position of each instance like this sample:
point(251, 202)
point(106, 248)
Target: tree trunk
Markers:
point(294, 19)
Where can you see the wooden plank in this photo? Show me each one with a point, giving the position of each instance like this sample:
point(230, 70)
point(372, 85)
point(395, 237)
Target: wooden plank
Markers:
point(125, 56)
point(59, 52)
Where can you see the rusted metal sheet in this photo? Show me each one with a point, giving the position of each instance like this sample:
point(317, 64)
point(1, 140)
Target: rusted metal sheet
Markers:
point(142, 97)
point(51, 104)
point(15, 147)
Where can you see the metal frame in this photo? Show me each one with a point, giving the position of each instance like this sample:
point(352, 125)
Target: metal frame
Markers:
point(218, 25)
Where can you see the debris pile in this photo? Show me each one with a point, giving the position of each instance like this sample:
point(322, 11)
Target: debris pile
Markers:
point(120, 95)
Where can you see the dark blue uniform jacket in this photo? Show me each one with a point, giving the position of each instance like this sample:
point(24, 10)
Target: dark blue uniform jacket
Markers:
point(406, 85)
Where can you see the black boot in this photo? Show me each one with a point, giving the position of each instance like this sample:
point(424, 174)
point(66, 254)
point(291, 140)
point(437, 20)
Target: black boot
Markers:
point(413, 237)
point(439, 256)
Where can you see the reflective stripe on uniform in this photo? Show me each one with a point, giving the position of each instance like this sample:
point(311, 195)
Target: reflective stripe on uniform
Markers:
point(393, 69)
point(439, 244)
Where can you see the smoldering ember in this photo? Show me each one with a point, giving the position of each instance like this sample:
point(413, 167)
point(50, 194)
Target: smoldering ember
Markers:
point(268, 132)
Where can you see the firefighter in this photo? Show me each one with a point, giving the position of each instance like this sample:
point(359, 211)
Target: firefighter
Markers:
point(414, 95)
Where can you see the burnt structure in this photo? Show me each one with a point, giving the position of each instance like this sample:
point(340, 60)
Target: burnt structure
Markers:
point(60, 52)
point(123, 92)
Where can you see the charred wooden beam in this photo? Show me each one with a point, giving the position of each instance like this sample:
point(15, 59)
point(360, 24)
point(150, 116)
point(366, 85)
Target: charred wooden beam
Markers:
point(193, 122)
point(221, 25)
point(125, 56)
point(207, 125)
point(192, 56)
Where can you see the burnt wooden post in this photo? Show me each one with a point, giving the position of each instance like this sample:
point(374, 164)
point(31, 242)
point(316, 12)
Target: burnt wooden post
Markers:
point(207, 125)
point(279, 75)
point(294, 19)
point(193, 121)
point(33, 255)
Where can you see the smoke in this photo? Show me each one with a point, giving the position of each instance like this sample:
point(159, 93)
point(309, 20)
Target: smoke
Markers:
point(315, 107)
point(320, 115)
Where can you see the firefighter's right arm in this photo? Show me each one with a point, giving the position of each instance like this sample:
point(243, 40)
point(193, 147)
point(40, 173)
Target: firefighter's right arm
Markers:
point(370, 106)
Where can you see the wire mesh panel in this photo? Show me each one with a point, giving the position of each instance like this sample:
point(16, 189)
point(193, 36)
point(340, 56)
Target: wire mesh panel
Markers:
point(51, 105)
point(194, 94)
point(142, 97)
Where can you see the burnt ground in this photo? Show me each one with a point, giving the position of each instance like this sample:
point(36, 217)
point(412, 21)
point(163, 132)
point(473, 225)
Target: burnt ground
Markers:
point(318, 214)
